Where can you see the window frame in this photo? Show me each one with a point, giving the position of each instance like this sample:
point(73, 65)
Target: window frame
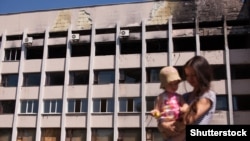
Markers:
point(29, 110)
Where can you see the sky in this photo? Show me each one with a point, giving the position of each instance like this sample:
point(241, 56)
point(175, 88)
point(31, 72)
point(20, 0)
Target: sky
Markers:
point(17, 6)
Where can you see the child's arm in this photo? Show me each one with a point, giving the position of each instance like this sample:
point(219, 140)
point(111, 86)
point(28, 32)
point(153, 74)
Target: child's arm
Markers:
point(156, 111)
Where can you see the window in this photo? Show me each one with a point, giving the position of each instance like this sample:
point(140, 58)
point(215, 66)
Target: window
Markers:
point(152, 134)
point(79, 77)
point(77, 105)
point(31, 79)
point(104, 76)
point(130, 104)
point(26, 134)
point(153, 75)
point(12, 54)
point(221, 102)
point(241, 102)
point(102, 135)
point(75, 134)
point(157, 45)
point(5, 134)
point(130, 75)
point(130, 134)
point(131, 47)
point(54, 78)
point(103, 105)
point(51, 134)
point(29, 106)
point(52, 106)
point(80, 50)
point(150, 103)
point(105, 48)
point(58, 51)
point(7, 106)
point(34, 52)
point(9, 80)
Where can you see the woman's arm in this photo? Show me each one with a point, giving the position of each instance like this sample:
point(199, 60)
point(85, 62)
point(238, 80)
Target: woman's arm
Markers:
point(197, 109)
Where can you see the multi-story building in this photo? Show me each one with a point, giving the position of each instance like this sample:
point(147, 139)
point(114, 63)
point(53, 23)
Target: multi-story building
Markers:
point(91, 73)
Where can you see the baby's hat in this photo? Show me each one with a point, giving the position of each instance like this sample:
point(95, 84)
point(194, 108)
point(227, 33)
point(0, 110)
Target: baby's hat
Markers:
point(168, 74)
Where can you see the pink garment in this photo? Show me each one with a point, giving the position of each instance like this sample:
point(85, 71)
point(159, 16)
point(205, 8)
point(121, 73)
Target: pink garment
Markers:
point(171, 107)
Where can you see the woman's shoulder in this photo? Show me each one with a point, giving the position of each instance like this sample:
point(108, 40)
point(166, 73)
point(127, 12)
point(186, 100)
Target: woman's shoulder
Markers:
point(210, 94)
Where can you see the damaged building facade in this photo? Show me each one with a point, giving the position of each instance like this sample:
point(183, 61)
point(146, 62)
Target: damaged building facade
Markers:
point(91, 73)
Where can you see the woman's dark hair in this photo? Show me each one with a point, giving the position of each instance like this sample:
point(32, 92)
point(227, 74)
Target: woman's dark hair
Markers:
point(203, 73)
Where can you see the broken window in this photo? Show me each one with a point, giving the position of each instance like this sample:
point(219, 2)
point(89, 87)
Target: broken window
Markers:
point(34, 52)
point(212, 43)
point(9, 80)
point(79, 77)
point(12, 54)
point(31, 79)
point(154, 46)
point(105, 48)
point(77, 105)
point(54, 78)
point(57, 51)
point(104, 76)
point(103, 105)
point(7, 106)
point(128, 104)
point(130, 75)
point(131, 47)
point(80, 50)
point(75, 134)
point(53, 106)
point(29, 106)
point(184, 44)
point(26, 134)
point(153, 75)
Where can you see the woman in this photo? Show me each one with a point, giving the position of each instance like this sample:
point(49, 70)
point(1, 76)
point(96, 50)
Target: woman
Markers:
point(201, 100)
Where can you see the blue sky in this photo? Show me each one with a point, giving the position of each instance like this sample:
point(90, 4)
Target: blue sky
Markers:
point(16, 6)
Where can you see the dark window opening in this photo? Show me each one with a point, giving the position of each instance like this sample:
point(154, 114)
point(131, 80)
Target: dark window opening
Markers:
point(57, 51)
point(105, 30)
point(75, 134)
point(131, 47)
point(34, 52)
point(50, 134)
point(37, 35)
point(54, 78)
point(12, 54)
point(153, 75)
point(239, 41)
point(5, 134)
point(58, 34)
point(107, 48)
point(240, 71)
point(184, 25)
point(7, 106)
point(210, 24)
point(157, 46)
point(130, 75)
point(241, 102)
point(221, 102)
point(156, 28)
point(80, 50)
point(150, 103)
point(219, 72)
point(26, 134)
point(14, 37)
point(104, 76)
point(79, 77)
point(31, 79)
point(212, 42)
point(9, 80)
point(184, 44)
point(103, 105)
